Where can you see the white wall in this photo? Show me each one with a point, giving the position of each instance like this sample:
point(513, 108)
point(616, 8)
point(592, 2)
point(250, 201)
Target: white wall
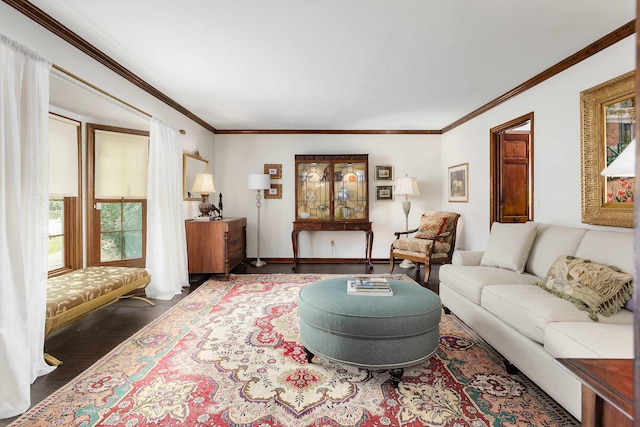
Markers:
point(557, 175)
point(24, 31)
point(239, 155)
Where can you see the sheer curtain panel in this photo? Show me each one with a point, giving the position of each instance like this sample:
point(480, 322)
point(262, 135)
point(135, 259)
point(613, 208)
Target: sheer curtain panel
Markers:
point(166, 239)
point(24, 183)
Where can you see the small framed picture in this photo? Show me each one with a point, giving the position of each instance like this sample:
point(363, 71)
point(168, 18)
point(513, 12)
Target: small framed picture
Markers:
point(384, 173)
point(274, 171)
point(275, 192)
point(459, 183)
point(384, 193)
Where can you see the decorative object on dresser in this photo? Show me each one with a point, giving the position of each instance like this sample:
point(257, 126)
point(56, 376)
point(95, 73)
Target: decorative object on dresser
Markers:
point(258, 181)
point(203, 184)
point(332, 195)
point(408, 187)
point(216, 246)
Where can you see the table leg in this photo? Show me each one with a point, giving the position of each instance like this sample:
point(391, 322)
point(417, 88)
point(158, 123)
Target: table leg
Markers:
point(294, 244)
point(369, 247)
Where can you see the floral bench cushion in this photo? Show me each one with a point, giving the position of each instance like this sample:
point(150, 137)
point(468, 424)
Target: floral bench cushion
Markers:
point(78, 287)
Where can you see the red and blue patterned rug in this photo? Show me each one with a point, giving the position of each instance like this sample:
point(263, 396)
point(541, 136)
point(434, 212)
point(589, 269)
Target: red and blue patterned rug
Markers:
point(229, 355)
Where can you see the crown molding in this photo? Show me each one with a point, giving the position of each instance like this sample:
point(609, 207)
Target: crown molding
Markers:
point(40, 17)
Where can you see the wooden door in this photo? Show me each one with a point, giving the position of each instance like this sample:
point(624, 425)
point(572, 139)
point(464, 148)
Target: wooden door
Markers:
point(511, 164)
point(513, 191)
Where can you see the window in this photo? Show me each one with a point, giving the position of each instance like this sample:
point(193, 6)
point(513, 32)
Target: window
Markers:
point(65, 215)
point(117, 183)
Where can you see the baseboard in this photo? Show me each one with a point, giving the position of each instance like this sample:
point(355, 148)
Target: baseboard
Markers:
point(321, 260)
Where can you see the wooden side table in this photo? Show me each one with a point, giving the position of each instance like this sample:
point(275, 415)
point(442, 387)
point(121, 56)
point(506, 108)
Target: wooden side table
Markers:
point(299, 226)
point(607, 390)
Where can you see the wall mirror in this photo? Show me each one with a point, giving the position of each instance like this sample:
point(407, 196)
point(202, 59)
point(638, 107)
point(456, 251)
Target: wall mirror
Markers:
point(607, 127)
point(192, 165)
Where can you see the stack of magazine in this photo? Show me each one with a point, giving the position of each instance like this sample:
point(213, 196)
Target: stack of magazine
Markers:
point(369, 286)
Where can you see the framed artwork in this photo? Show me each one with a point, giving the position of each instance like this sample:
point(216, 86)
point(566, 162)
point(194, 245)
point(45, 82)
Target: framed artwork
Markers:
point(607, 127)
point(459, 183)
point(384, 193)
point(275, 192)
point(273, 170)
point(384, 173)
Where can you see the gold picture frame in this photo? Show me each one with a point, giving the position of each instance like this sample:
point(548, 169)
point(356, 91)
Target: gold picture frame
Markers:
point(192, 164)
point(274, 192)
point(273, 170)
point(607, 111)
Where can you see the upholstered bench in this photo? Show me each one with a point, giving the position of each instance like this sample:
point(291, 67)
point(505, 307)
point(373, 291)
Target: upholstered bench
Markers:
point(73, 295)
point(372, 332)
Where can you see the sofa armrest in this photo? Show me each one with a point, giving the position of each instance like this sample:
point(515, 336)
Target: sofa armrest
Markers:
point(466, 257)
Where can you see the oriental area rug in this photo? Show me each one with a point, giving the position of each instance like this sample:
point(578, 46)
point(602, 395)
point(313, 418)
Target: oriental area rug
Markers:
point(229, 355)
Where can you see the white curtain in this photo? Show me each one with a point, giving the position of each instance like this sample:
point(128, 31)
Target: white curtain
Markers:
point(24, 212)
point(166, 237)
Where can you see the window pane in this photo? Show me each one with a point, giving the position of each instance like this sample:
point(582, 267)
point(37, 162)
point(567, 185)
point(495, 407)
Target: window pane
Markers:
point(132, 244)
point(56, 234)
point(110, 247)
point(132, 213)
point(110, 217)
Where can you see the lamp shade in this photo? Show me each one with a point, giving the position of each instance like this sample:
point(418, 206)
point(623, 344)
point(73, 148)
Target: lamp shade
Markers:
point(407, 186)
point(258, 181)
point(203, 184)
point(624, 164)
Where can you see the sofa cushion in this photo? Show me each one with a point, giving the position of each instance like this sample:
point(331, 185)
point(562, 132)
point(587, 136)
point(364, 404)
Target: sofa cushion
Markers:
point(589, 340)
point(529, 308)
point(469, 281)
point(608, 248)
point(551, 242)
point(509, 246)
point(592, 287)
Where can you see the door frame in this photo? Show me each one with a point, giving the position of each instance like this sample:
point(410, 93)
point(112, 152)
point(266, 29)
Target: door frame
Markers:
point(495, 164)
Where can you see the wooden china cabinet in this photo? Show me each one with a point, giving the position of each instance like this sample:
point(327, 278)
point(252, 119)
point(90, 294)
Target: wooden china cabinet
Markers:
point(332, 195)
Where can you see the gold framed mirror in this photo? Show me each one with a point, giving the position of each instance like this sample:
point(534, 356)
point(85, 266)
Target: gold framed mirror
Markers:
point(607, 127)
point(192, 165)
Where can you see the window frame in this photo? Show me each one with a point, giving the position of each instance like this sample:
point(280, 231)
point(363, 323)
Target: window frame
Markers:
point(72, 208)
point(93, 214)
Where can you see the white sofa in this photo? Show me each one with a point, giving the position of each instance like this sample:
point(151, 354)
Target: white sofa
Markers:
point(530, 326)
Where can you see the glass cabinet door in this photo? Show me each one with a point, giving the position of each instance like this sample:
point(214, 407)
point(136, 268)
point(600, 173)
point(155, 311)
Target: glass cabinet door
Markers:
point(350, 191)
point(314, 191)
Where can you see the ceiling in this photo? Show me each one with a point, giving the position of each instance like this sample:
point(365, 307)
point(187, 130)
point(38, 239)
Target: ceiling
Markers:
point(337, 64)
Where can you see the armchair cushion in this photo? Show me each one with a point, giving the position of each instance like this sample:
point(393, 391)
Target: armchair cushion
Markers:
point(432, 223)
point(420, 246)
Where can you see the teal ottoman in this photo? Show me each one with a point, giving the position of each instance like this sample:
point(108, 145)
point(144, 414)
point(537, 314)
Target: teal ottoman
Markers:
point(372, 332)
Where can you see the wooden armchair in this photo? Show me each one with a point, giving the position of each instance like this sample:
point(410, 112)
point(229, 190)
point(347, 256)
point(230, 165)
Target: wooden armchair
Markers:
point(433, 243)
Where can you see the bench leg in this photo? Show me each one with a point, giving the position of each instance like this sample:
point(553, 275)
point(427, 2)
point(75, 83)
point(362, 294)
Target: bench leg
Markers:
point(52, 361)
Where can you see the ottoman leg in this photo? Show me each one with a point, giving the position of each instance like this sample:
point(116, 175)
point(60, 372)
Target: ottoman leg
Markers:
point(308, 354)
point(396, 376)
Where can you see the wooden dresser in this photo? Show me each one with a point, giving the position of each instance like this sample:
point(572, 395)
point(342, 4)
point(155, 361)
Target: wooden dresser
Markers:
point(216, 246)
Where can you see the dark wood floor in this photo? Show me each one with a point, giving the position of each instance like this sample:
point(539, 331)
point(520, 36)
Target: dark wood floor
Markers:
point(84, 342)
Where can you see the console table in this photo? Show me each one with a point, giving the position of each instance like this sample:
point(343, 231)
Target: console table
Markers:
point(365, 226)
point(216, 246)
point(607, 390)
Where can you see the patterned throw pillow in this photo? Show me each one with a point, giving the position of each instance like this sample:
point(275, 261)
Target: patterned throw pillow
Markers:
point(431, 223)
point(596, 288)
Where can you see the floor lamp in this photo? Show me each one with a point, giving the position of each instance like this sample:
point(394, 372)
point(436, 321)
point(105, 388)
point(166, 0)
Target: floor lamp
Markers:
point(409, 188)
point(258, 182)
